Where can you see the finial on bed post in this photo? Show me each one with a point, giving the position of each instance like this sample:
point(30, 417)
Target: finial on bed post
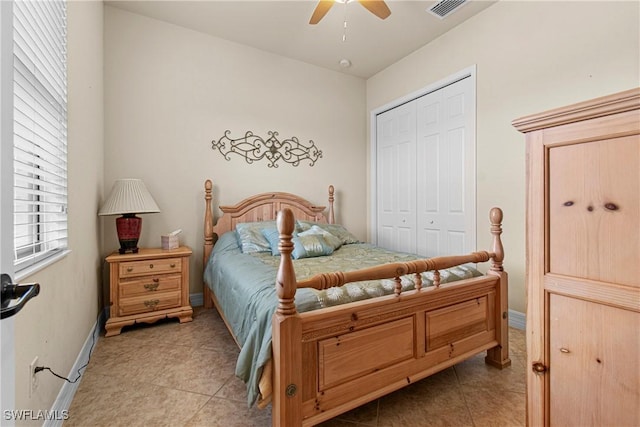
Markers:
point(332, 218)
point(286, 278)
point(495, 216)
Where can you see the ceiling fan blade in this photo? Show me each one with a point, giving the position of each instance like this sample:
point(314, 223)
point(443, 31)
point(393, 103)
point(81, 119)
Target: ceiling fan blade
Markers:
point(377, 7)
point(321, 9)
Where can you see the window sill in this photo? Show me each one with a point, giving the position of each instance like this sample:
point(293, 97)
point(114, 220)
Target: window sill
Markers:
point(29, 271)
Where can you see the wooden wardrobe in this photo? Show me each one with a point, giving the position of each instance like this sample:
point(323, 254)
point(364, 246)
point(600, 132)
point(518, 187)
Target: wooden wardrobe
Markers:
point(583, 263)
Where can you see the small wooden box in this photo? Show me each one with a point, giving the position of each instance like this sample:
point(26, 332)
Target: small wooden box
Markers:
point(170, 241)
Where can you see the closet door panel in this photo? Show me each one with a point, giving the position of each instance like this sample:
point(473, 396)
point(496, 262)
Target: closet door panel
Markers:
point(396, 180)
point(428, 201)
point(444, 172)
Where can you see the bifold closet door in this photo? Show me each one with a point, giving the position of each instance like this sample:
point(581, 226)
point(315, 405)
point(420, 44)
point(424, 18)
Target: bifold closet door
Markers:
point(426, 173)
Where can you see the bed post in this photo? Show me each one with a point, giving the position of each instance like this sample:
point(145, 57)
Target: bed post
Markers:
point(208, 239)
point(332, 218)
point(499, 355)
point(287, 335)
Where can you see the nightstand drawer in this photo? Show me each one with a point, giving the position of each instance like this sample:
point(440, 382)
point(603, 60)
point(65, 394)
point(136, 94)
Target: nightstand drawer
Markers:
point(148, 303)
point(148, 285)
point(152, 266)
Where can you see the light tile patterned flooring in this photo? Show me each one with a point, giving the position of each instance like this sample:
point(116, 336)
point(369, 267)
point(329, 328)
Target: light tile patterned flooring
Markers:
point(172, 374)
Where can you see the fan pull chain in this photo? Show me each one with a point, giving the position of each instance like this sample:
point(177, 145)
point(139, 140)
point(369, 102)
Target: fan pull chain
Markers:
point(344, 27)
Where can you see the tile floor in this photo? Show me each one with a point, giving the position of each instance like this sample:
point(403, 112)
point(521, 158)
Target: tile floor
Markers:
point(170, 374)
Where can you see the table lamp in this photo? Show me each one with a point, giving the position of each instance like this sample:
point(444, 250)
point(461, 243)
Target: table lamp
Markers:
point(128, 197)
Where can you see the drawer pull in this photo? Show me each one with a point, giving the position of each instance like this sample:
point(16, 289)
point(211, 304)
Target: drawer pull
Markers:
point(173, 265)
point(152, 303)
point(150, 265)
point(152, 286)
point(129, 269)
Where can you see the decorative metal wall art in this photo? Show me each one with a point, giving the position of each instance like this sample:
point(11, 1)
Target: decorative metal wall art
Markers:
point(253, 148)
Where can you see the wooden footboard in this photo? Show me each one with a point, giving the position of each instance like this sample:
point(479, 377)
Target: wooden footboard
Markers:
point(332, 360)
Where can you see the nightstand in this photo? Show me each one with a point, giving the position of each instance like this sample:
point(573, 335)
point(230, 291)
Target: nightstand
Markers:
point(148, 286)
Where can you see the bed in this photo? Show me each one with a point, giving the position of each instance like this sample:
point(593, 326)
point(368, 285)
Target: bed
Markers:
point(313, 359)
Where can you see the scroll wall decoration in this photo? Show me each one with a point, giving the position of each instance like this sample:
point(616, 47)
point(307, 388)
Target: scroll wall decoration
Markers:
point(253, 148)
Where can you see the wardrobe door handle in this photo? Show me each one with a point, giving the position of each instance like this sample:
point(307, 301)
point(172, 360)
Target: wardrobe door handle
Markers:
point(539, 368)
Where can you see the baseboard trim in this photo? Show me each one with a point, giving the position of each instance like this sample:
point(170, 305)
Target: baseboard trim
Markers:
point(517, 320)
point(68, 390)
point(197, 300)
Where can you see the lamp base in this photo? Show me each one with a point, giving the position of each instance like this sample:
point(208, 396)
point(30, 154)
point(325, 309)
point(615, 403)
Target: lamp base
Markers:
point(128, 227)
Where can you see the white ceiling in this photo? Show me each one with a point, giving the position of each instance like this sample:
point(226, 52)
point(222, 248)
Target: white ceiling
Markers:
point(282, 27)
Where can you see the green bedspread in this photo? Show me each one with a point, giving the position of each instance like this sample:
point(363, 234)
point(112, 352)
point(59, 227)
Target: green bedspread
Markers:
point(244, 285)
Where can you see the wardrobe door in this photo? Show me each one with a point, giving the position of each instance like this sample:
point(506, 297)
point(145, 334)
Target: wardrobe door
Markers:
point(594, 254)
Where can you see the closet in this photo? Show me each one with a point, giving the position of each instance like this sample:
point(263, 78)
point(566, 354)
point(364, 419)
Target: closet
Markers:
point(583, 263)
point(425, 173)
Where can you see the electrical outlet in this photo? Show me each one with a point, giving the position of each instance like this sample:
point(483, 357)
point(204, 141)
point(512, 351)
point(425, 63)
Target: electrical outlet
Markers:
point(33, 379)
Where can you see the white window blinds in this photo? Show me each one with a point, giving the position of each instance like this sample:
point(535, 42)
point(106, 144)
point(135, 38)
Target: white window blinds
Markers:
point(40, 130)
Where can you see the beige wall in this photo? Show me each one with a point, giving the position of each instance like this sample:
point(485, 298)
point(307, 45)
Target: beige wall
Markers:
point(54, 325)
point(530, 57)
point(169, 91)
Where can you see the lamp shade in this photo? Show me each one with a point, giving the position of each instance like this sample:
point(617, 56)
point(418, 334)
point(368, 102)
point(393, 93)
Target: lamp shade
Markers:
point(129, 196)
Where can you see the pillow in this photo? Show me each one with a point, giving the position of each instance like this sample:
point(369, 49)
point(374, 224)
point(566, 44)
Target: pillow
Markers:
point(273, 237)
point(250, 238)
point(332, 240)
point(304, 245)
point(312, 245)
point(337, 230)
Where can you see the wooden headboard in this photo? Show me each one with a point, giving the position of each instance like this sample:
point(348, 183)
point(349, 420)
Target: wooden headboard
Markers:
point(261, 207)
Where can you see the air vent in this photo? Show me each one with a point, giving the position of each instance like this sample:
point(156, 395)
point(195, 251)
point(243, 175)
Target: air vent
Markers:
point(446, 7)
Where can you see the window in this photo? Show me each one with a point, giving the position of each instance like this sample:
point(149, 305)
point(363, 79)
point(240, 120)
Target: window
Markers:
point(39, 131)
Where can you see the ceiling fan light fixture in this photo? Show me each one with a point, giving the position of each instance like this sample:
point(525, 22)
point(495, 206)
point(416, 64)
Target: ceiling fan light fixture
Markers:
point(377, 7)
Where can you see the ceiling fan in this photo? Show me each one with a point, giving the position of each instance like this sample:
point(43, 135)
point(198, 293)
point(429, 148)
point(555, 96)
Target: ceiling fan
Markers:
point(377, 7)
